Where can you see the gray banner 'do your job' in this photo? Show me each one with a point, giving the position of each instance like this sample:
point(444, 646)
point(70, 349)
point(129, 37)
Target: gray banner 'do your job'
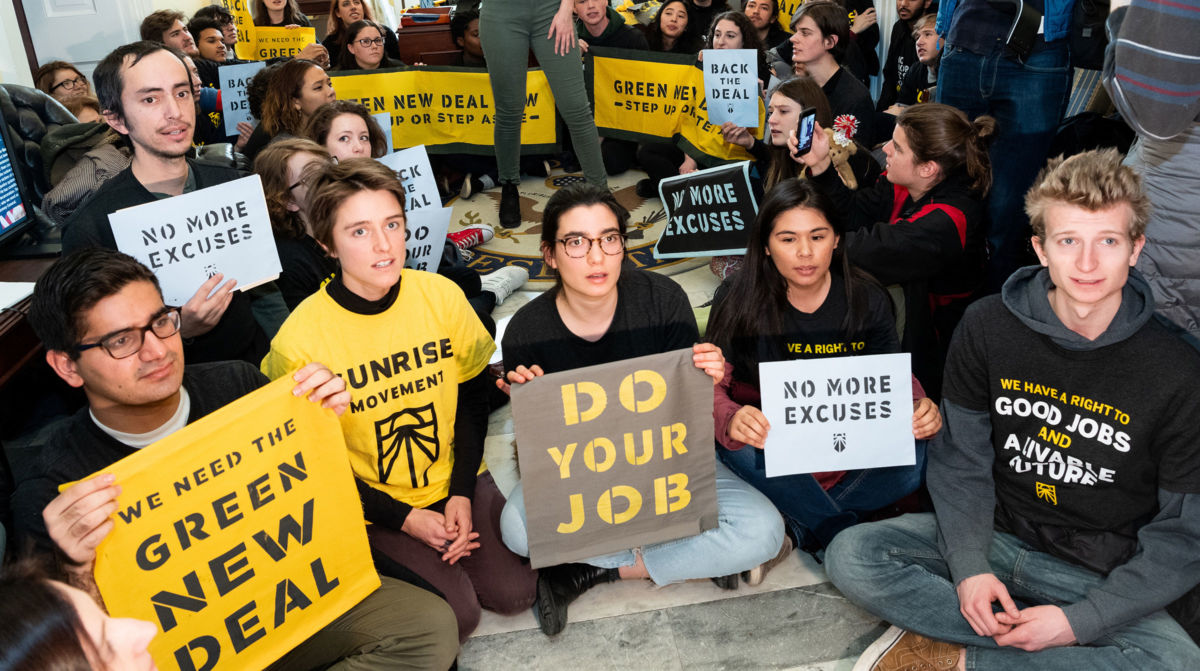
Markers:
point(616, 456)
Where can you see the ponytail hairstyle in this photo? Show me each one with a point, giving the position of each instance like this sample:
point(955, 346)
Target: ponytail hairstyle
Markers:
point(942, 134)
point(806, 92)
point(756, 301)
point(750, 39)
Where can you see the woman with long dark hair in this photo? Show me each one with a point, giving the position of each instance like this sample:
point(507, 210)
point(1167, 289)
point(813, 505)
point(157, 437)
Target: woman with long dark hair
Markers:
point(922, 225)
point(279, 13)
point(798, 288)
point(294, 92)
point(668, 30)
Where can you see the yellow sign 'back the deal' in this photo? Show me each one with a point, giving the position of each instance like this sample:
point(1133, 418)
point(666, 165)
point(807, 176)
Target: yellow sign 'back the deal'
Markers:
point(239, 535)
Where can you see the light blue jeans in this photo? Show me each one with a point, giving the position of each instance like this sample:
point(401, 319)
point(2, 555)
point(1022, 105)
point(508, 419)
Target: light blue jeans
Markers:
point(749, 531)
point(894, 569)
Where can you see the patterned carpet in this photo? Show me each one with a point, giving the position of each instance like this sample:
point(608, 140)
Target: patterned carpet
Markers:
point(520, 246)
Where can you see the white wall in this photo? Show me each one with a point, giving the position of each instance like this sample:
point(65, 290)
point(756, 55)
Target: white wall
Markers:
point(14, 68)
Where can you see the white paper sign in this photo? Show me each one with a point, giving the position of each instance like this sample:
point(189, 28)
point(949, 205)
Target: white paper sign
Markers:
point(838, 414)
point(412, 167)
point(425, 235)
point(731, 84)
point(384, 119)
point(187, 239)
point(235, 106)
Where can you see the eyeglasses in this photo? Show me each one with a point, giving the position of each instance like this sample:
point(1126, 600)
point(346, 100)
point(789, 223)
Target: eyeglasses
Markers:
point(578, 246)
point(70, 84)
point(366, 42)
point(128, 342)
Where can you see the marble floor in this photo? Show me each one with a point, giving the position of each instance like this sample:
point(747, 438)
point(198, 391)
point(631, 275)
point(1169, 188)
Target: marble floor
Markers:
point(794, 620)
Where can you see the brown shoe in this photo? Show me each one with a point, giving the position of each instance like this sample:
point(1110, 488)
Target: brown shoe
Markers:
point(899, 650)
point(756, 575)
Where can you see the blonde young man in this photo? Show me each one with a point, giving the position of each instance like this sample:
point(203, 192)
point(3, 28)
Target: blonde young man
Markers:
point(1067, 478)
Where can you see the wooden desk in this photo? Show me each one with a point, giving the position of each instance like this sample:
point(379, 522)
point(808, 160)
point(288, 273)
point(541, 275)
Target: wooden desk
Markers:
point(18, 344)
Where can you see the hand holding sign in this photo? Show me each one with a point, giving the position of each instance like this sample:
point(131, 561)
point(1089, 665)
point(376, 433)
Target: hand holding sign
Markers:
point(80, 517)
point(520, 375)
point(206, 307)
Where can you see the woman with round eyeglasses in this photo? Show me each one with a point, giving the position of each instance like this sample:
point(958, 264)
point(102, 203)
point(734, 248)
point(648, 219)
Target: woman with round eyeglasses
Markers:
point(363, 49)
point(344, 13)
point(62, 81)
point(602, 310)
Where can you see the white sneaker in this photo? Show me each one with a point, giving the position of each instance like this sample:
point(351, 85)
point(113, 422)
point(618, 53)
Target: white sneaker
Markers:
point(504, 281)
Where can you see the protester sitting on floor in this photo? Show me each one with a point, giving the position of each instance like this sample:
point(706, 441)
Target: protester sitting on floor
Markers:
point(660, 160)
point(798, 287)
point(1058, 535)
point(224, 18)
point(819, 43)
point(668, 30)
point(342, 13)
point(363, 48)
point(101, 317)
point(62, 81)
point(922, 225)
point(346, 130)
point(47, 624)
point(294, 91)
point(602, 311)
point(284, 13)
point(438, 516)
point(146, 92)
point(286, 169)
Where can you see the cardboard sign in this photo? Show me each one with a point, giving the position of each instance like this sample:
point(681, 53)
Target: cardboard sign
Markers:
point(838, 414)
point(709, 212)
point(187, 239)
point(731, 86)
point(239, 535)
point(425, 235)
point(244, 20)
point(279, 42)
point(385, 124)
point(412, 167)
point(645, 96)
point(615, 456)
point(448, 109)
point(235, 106)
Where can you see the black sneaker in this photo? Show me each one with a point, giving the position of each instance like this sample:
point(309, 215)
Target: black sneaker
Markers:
point(646, 188)
point(558, 586)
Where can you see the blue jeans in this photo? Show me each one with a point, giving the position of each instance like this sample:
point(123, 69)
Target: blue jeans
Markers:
point(893, 568)
point(814, 515)
point(1027, 101)
point(749, 531)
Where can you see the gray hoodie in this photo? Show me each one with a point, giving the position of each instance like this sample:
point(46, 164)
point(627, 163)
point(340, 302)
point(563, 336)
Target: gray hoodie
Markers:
point(965, 458)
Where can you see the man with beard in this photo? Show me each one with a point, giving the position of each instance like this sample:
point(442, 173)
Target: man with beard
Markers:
point(902, 50)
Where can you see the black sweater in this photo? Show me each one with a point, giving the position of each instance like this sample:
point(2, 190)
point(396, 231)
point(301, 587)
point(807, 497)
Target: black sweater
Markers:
point(237, 335)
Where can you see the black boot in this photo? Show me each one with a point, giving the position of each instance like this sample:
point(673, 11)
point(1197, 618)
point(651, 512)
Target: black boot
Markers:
point(558, 586)
point(510, 206)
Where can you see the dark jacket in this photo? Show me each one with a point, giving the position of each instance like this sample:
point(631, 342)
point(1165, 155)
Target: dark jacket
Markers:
point(618, 34)
point(237, 335)
point(933, 247)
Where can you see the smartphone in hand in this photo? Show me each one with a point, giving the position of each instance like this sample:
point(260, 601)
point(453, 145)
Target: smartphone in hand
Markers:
point(805, 126)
